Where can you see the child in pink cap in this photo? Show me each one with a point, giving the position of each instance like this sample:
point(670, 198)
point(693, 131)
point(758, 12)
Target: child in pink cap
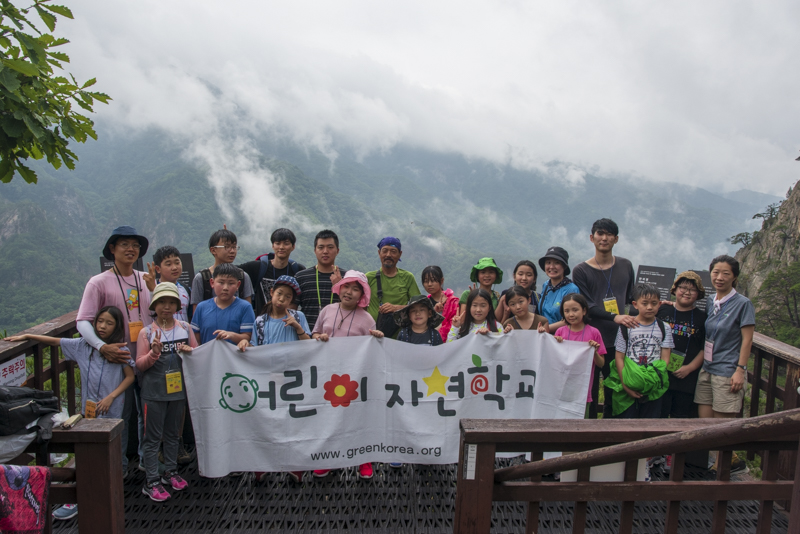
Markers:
point(344, 319)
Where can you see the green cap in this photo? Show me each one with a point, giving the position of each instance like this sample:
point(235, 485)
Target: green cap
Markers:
point(485, 263)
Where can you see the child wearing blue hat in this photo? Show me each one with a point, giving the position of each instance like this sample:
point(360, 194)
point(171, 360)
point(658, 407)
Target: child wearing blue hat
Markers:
point(279, 323)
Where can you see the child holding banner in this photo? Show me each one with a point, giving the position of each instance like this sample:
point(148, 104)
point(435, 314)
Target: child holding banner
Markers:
point(162, 389)
point(346, 318)
point(418, 322)
point(575, 311)
point(279, 323)
point(478, 317)
point(522, 318)
point(525, 275)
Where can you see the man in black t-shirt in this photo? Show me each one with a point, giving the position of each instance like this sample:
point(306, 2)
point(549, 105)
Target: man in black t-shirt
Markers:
point(316, 282)
point(268, 267)
point(688, 333)
point(607, 283)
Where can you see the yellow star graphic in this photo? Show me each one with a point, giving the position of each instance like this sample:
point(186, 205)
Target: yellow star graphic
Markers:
point(436, 382)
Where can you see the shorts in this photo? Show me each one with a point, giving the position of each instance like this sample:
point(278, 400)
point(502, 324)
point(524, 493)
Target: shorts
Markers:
point(715, 391)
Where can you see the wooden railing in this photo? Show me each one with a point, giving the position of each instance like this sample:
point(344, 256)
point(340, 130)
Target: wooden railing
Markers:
point(64, 326)
point(605, 442)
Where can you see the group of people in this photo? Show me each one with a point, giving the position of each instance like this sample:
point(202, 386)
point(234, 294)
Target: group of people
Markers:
point(670, 358)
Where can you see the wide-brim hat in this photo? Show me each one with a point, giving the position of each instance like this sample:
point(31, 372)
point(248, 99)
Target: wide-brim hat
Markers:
point(290, 281)
point(485, 263)
point(125, 231)
point(556, 253)
point(162, 290)
point(692, 277)
point(361, 278)
point(402, 319)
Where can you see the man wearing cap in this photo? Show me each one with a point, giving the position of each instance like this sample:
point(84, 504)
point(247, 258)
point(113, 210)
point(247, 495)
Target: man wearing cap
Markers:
point(391, 287)
point(125, 288)
point(555, 264)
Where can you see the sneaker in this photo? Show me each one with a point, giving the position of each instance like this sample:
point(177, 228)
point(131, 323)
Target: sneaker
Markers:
point(739, 467)
point(175, 480)
point(67, 511)
point(668, 464)
point(156, 492)
point(297, 476)
point(396, 465)
point(321, 473)
point(365, 470)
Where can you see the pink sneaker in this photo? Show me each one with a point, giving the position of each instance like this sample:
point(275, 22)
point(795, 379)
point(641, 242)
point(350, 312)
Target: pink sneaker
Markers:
point(297, 476)
point(156, 492)
point(321, 473)
point(174, 479)
point(365, 470)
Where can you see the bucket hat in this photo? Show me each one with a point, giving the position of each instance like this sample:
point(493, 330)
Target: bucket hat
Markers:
point(485, 263)
point(125, 231)
point(402, 319)
point(692, 277)
point(355, 276)
point(162, 290)
point(556, 253)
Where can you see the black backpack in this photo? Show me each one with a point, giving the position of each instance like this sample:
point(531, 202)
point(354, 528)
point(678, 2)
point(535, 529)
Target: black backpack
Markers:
point(19, 406)
point(208, 293)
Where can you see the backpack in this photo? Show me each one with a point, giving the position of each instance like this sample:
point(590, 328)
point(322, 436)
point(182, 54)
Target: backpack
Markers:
point(208, 293)
point(266, 284)
point(20, 406)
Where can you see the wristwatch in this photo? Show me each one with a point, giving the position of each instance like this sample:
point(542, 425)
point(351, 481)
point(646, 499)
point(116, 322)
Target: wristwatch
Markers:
point(742, 367)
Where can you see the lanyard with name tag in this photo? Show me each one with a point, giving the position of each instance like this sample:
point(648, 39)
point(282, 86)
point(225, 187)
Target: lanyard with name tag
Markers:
point(610, 304)
point(91, 409)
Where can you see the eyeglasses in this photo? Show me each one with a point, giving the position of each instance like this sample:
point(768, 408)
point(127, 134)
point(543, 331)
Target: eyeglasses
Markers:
point(125, 246)
point(688, 289)
point(228, 247)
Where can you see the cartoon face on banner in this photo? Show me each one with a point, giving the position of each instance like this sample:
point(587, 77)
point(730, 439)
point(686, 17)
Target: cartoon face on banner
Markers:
point(239, 393)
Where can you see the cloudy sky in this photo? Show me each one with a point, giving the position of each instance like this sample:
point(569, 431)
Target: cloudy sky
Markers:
point(697, 92)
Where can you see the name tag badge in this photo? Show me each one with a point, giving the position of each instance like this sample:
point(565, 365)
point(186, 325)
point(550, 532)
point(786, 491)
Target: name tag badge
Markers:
point(610, 304)
point(708, 350)
point(91, 410)
point(174, 382)
point(676, 359)
point(134, 327)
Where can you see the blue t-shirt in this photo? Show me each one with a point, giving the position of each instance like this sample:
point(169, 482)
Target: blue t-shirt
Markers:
point(550, 303)
point(208, 318)
point(99, 377)
point(268, 330)
point(724, 328)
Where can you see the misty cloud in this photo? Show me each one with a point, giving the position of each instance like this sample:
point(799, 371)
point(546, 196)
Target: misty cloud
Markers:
point(702, 94)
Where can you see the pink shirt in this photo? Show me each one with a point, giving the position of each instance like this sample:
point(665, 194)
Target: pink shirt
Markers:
point(337, 322)
point(104, 290)
point(589, 333)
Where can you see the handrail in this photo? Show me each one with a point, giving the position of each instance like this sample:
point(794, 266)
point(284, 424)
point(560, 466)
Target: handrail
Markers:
point(777, 348)
point(716, 435)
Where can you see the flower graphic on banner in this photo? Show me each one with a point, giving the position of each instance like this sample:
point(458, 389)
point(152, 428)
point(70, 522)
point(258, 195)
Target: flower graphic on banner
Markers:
point(340, 390)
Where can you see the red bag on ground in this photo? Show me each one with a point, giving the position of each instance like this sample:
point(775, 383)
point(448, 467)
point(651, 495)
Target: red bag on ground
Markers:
point(23, 498)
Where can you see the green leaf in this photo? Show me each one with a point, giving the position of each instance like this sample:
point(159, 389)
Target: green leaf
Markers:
point(4, 42)
point(6, 170)
point(22, 66)
point(26, 173)
point(89, 83)
point(102, 97)
point(58, 42)
point(9, 80)
point(476, 360)
point(12, 127)
point(47, 18)
point(61, 56)
point(33, 126)
point(60, 10)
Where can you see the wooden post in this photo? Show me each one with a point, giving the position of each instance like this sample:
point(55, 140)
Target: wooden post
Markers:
point(769, 472)
point(674, 507)
point(532, 522)
point(794, 512)
point(721, 507)
point(473, 513)
point(627, 508)
point(98, 477)
point(579, 513)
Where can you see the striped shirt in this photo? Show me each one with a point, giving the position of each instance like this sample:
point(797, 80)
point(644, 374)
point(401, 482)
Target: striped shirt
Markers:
point(314, 297)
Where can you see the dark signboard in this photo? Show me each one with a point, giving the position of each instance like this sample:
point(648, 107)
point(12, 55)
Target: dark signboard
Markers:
point(705, 276)
point(661, 277)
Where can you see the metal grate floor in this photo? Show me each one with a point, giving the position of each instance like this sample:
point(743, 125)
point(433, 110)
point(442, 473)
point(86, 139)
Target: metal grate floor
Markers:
point(413, 499)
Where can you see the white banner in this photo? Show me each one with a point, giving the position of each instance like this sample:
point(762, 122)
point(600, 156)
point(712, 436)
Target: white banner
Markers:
point(313, 405)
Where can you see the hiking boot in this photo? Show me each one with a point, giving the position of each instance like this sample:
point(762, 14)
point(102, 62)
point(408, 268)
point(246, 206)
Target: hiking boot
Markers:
point(184, 457)
point(396, 465)
point(67, 511)
point(739, 467)
point(365, 471)
point(175, 480)
point(156, 492)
